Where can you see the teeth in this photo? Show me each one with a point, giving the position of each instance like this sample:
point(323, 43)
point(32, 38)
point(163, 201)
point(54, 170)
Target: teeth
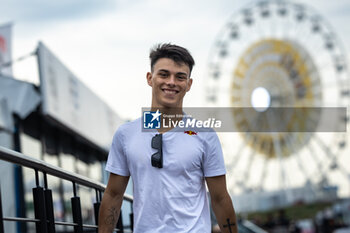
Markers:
point(170, 91)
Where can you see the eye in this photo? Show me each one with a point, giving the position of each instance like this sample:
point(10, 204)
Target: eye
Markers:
point(182, 78)
point(163, 74)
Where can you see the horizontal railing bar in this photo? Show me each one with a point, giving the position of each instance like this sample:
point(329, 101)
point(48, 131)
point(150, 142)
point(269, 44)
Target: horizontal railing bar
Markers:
point(74, 224)
point(16, 219)
point(96, 227)
point(66, 223)
point(84, 225)
point(90, 226)
point(128, 197)
point(24, 160)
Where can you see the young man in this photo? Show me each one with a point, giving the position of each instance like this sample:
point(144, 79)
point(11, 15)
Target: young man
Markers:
point(168, 167)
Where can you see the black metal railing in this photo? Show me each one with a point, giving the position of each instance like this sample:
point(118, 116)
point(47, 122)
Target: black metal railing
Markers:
point(42, 196)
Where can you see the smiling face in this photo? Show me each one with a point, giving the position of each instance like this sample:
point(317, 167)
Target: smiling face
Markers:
point(169, 81)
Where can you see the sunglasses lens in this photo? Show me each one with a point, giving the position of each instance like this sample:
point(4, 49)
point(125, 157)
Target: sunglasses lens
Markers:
point(157, 141)
point(156, 160)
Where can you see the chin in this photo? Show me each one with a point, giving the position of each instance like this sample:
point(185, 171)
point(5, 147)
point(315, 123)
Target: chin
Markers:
point(170, 105)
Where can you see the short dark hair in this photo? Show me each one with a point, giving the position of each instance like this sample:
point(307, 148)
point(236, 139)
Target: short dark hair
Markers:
point(174, 52)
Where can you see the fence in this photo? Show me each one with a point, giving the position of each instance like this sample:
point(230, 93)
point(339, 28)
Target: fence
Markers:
point(42, 196)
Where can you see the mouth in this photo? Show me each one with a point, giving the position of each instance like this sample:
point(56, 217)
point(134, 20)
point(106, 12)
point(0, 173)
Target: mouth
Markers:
point(170, 91)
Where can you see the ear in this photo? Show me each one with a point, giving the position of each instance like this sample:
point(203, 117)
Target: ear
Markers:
point(149, 78)
point(189, 84)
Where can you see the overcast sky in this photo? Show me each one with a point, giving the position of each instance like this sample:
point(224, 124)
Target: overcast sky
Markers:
point(106, 43)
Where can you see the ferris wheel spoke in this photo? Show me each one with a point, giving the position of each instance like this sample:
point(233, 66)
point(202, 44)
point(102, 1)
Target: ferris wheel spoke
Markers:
point(247, 170)
point(310, 36)
point(343, 171)
point(258, 27)
point(314, 29)
point(299, 29)
point(263, 174)
point(235, 161)
point(290, 24)
point(278, 151)
point(315, 70)
point(320, 168)
point(283, 29)
point(333, 159)
point(306, 35)
point(324, 148)
point(297, 156)
point(301, 167)
point(323, 66)
point(311, 153)
point(231, 184)
point(272, 27)
point(263, 33)
point(278, 29)
point(336, 166)
point(322, 53)
point(237, 183)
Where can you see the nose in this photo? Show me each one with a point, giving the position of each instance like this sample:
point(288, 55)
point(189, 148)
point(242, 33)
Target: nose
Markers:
point(171, 80)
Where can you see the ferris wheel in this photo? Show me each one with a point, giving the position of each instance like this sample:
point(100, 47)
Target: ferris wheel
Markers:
point(279, 54)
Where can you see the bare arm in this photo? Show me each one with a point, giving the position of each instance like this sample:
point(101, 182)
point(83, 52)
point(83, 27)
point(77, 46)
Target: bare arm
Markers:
point(111, 203)
point(222, 204)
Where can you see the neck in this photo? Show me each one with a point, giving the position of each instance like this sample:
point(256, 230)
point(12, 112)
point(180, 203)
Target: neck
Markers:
point(168, 110)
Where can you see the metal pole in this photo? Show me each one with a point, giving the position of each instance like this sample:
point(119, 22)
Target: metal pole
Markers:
point(39, 209)
point(1, 216)
point(76, 211)
point(49, 207)
point(19, 186)
point(120, 223)
point(96, 211)
point(97, 208)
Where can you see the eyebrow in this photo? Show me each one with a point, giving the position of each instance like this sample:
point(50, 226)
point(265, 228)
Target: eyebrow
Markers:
point(167, 71)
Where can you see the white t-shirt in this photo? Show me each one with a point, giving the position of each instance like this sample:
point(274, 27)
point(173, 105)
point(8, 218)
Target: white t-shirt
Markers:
point(171, 199)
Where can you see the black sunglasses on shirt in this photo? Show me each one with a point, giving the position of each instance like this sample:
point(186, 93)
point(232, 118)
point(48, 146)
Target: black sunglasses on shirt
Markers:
point(157, 158)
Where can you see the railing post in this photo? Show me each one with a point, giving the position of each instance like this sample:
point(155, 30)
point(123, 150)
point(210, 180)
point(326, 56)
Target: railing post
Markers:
point(131, 221)
point(120, 223)
point(49, 207)
point(131, 217)
point(39, 206)
point(76, 211)
point(97, 208)
point(1, 216)
point(19, 185)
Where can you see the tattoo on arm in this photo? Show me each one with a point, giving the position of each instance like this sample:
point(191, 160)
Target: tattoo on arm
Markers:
point(112, 216)
point(229, 225)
